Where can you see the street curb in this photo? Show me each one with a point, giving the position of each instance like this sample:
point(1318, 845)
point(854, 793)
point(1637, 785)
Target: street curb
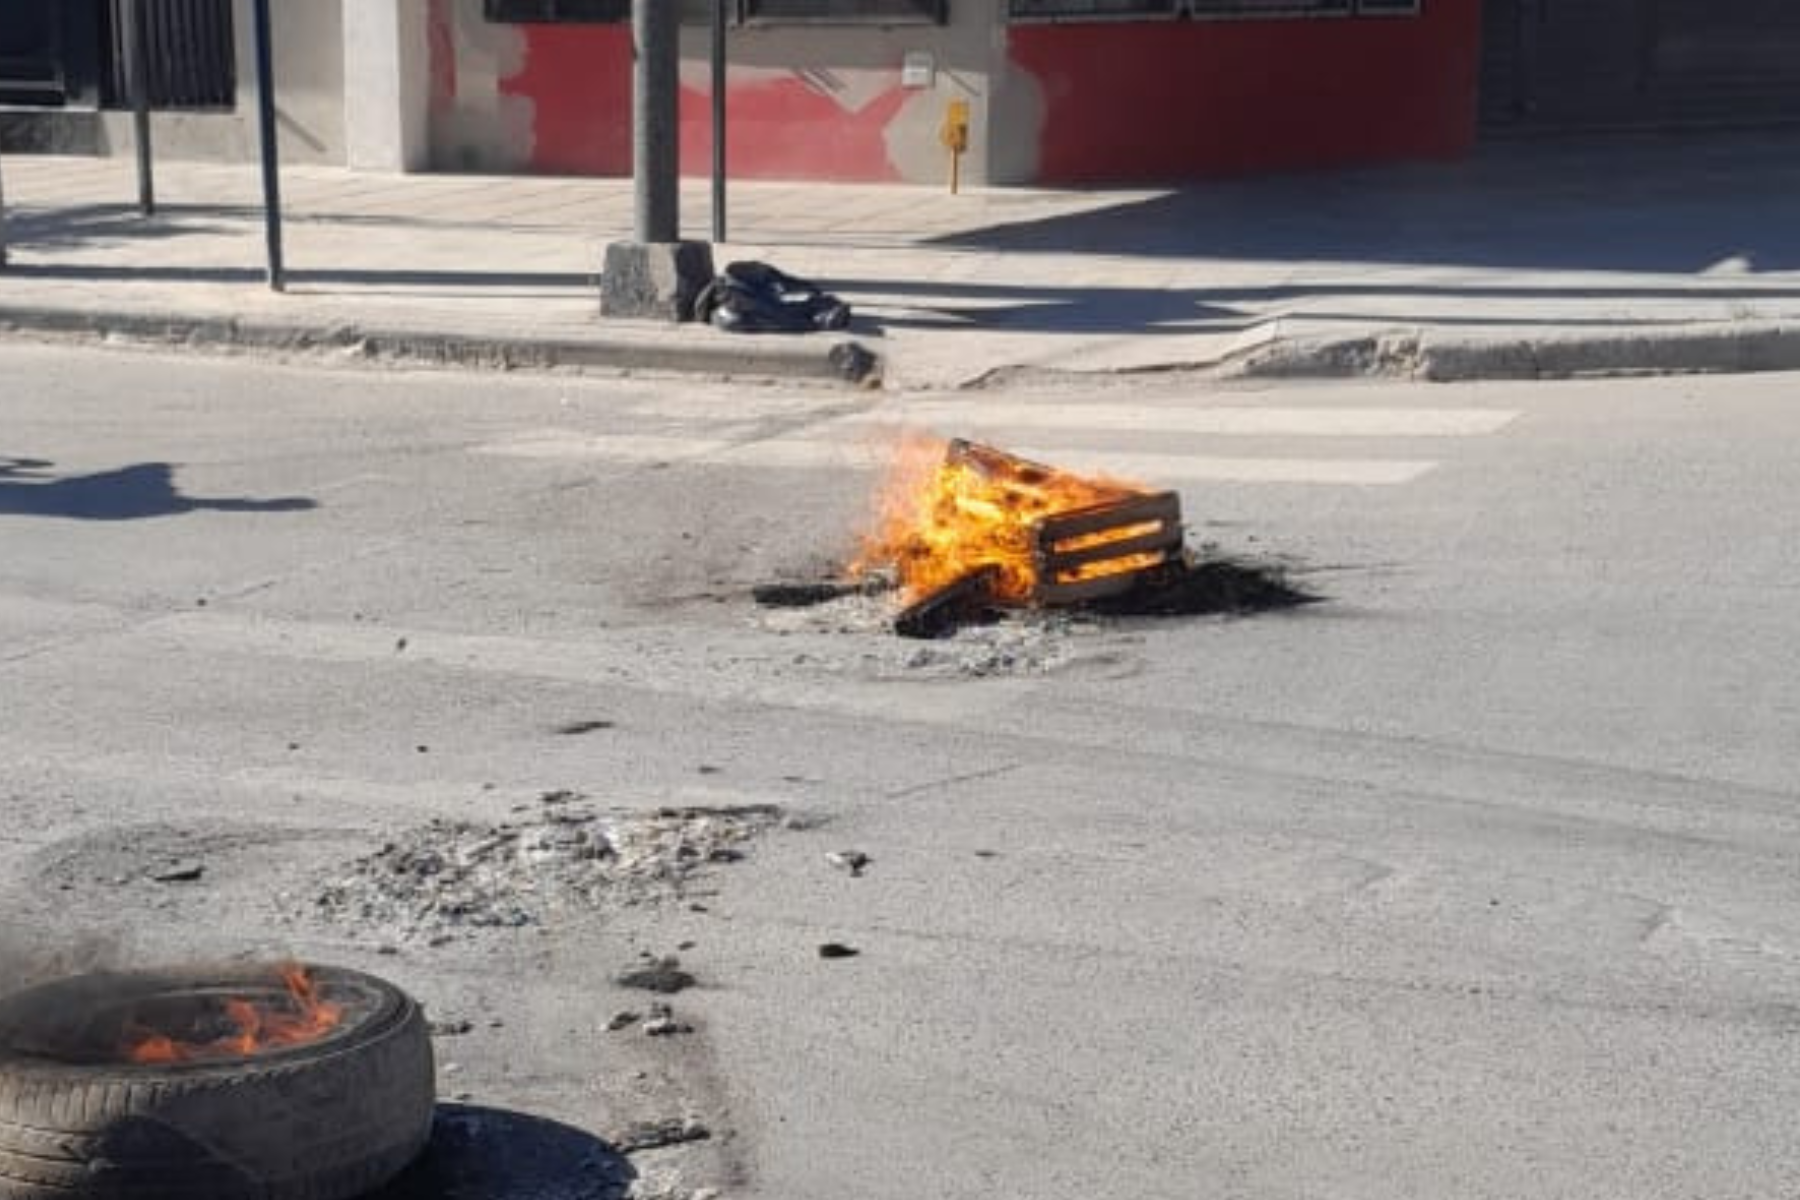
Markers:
point(1418, 354)
point(837, 360)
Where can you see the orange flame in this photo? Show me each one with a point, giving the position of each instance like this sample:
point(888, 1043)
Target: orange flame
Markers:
point(306, 1017)
point(949, 509)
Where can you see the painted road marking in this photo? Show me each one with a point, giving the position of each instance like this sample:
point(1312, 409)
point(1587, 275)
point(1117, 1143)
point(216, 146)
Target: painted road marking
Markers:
point(874, 454)
point(1226, 421)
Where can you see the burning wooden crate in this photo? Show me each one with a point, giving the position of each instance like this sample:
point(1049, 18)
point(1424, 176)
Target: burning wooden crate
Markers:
point(1105, 550)
point(975, 526)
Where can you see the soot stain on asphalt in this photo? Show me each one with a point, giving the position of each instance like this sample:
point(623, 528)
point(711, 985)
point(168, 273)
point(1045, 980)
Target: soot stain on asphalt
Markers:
point(1200, 588)
point(1209, 588)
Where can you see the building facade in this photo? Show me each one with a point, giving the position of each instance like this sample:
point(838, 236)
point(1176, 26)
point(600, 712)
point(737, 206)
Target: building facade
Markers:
point(1057, 92)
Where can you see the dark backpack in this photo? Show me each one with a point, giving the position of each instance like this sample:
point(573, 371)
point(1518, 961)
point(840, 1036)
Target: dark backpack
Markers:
point(753, 297)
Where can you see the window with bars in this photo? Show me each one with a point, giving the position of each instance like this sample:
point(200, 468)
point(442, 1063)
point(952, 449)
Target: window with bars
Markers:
point(1102, 10)
point(536, 12)
point(753, 12)
point(847, 12)
point(190, 49)
point(1267, 8)
point(1073, 10)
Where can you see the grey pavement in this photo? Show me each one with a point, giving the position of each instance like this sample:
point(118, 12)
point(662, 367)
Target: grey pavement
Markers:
point(1476, 881)
point(1527, 260)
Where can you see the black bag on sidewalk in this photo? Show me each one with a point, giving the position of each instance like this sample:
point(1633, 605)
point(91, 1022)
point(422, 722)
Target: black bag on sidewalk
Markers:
point(753, 297)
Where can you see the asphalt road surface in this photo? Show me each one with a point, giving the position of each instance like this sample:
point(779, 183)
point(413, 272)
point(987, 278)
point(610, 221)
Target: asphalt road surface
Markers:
point(1478, 878)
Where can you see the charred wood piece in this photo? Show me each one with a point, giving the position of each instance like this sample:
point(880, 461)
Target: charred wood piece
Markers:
point(809, 595)
point(939, 614)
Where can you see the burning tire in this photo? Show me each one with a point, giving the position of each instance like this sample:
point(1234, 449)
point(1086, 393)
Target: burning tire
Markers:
point(238, 1083)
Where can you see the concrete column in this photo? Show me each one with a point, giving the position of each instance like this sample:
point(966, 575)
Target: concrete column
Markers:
point(656, 276)
point(387, 84)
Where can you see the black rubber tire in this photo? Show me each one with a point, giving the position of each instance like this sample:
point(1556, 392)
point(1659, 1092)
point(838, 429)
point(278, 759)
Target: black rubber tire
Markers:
point(328, 1121)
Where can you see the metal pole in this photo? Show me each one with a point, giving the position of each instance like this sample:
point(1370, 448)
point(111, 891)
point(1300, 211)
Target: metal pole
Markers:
point(137, 66)
point(718, 120)
point(271, 150)
point(655, 142)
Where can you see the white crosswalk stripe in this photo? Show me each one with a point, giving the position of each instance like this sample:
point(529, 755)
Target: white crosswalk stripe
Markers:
point(1318, 443)
point(795, 453)
point(1227, 421)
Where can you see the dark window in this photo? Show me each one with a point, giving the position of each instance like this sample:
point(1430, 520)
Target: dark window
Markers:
point(1090, 10)
point(590, 12)
point(848, 12)
point(1101, 10)
point(1267, 8)
point(31, 53)
point(526, 12)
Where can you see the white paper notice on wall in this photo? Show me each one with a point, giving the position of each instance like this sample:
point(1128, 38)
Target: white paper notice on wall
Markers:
point(918, 70)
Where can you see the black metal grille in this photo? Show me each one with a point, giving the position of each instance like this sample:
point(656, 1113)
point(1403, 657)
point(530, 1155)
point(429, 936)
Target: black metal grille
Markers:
point(191, 48)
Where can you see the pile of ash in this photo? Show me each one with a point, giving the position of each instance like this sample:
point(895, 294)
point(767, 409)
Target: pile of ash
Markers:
point(450, 877)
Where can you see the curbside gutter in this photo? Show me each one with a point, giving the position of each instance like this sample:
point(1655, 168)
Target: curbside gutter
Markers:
point(1422, 354)
point(1443, 358)
point(816, 359)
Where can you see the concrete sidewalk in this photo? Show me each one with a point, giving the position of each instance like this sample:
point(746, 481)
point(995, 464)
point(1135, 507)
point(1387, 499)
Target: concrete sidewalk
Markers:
point(1531, 259)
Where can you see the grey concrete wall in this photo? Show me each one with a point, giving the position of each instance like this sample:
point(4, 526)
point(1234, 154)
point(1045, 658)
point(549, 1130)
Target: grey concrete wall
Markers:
point(474, 127)
point(387, 84)
point(309, 86)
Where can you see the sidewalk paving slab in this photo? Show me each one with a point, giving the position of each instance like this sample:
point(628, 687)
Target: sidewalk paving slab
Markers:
point(1527, 260)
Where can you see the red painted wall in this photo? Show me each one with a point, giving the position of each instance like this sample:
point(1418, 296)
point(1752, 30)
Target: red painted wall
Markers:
point(784, 129)
point(1193, 99)
point(1127, 102)
point(578, 78)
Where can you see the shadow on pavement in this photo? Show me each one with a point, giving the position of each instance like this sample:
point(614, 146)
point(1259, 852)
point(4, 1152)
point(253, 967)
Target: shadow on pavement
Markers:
point(139, 274)
point(131, 493)
point(348, 277)
point(1655, 205)
point(491, 1154)
point(101, 224)
point(1028, 308)
point(883, 304)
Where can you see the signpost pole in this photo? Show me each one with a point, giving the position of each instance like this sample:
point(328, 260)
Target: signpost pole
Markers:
point(656, 166)
point(271, 150)
point(718, 120)
point(2, 220)
point(137, 68)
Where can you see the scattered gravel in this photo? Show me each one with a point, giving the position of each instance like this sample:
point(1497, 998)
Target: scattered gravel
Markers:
point(451, 877)
point(855, 862)
point(662, 1023)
